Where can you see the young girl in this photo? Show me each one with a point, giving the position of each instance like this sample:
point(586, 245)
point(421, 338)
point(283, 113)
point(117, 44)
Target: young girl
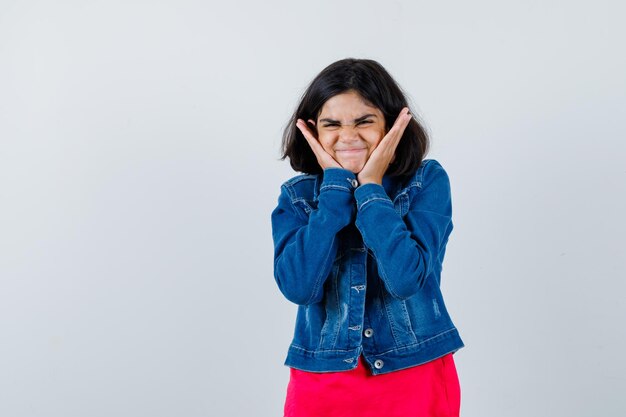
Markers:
point(359, 241)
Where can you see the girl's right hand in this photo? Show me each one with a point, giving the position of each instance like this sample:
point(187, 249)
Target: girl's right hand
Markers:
point(323, 158)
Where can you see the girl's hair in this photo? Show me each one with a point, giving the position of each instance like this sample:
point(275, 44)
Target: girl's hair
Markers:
point(369, 79)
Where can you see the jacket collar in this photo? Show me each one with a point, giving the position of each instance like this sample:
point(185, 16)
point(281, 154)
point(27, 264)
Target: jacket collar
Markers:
point(390, 184)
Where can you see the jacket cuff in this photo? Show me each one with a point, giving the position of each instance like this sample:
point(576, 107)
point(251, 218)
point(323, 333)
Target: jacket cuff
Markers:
point(339, 179)
point(371, 193)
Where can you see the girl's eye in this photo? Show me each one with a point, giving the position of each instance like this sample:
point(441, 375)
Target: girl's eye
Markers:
point(359, 123)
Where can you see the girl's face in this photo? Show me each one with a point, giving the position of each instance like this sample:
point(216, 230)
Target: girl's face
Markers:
point(349, 129)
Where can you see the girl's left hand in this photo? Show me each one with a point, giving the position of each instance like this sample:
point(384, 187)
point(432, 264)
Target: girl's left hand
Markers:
point(384, 153)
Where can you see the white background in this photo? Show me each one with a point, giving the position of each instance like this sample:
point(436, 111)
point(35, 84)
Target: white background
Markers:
point(139, 146)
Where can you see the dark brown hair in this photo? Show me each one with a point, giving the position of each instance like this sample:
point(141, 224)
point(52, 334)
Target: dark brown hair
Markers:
point(369, 79)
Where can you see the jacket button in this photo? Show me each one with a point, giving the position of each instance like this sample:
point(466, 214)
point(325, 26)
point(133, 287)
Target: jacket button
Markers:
point(355, 183)
point(368, 332)
point(379, 364)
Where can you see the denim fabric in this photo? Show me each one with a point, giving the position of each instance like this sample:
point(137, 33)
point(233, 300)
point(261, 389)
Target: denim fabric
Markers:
point(364, 264)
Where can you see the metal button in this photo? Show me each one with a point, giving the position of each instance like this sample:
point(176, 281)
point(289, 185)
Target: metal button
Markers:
point(379, 364)
point(354, 182)
point(368, 332)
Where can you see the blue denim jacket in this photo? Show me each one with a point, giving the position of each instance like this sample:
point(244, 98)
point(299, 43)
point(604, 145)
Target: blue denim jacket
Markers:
point(363, 263)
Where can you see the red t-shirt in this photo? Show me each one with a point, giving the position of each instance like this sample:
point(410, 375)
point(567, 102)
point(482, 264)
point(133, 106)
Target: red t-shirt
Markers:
point(430, 389)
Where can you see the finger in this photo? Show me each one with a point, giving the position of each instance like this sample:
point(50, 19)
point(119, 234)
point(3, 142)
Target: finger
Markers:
point(308, 135)
point(306, 132)
point(323, 157)
point(390, 142)
point(403, 119)
point(397, 130)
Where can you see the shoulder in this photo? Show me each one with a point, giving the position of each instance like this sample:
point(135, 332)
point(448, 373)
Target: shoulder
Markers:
point(430, 172)
point(300, 186)
point(296, 179)
point(431, 191)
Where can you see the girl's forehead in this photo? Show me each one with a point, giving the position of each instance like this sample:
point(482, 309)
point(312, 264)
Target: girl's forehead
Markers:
point(347, 105)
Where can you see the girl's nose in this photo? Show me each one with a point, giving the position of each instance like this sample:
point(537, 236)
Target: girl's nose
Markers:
point(348, 131)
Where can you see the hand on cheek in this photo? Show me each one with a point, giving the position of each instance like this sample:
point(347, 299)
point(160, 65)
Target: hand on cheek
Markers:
point(384, 154)
point(324, 159)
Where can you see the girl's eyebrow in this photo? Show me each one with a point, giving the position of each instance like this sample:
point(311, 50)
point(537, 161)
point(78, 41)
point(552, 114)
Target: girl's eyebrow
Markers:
point(355, 120)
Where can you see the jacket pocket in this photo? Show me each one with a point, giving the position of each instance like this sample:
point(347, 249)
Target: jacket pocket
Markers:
point(399, 319)
point(331, 327)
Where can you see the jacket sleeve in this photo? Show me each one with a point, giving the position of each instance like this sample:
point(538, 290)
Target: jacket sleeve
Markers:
point(305, 248)
point(406, 250)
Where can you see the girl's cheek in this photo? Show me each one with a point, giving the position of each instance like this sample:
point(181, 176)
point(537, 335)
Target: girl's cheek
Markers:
point(326, 147)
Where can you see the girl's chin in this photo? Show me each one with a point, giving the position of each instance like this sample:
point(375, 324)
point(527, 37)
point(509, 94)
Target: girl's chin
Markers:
point(353, 165)
point(350, 166)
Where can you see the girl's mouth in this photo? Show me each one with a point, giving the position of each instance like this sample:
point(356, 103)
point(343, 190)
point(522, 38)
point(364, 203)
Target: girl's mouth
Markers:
point(351, 150)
